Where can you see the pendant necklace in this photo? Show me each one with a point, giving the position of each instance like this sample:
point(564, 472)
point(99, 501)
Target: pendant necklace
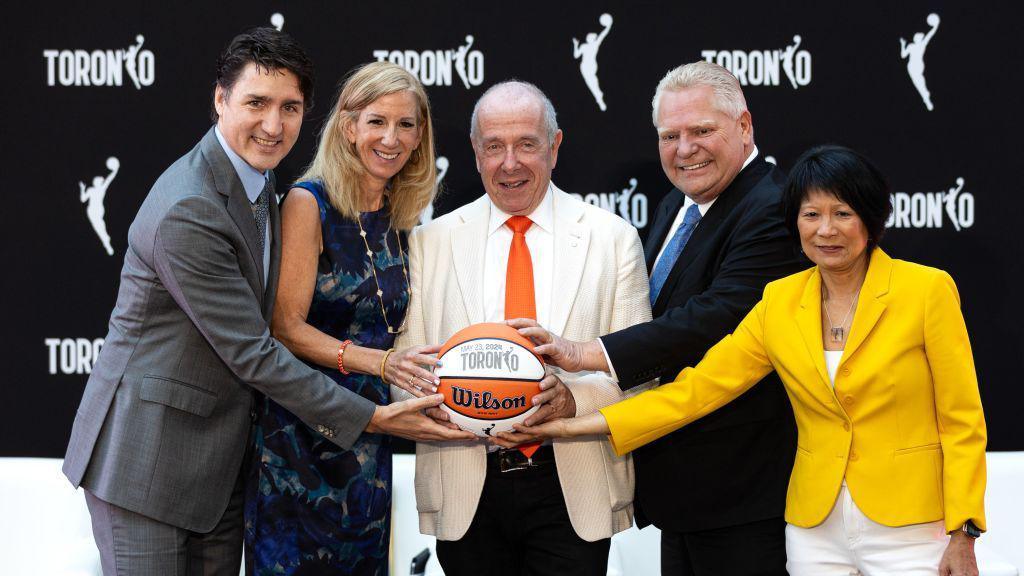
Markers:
point(838, 333)
point(405, 272)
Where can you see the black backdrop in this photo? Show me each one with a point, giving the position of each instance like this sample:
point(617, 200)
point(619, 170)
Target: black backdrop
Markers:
point(850, 86)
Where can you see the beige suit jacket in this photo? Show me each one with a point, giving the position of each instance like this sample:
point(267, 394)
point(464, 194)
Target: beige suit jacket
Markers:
point(600, 287)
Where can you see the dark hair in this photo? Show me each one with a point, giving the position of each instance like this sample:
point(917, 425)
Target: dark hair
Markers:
point(270, 50)
point(850, 177)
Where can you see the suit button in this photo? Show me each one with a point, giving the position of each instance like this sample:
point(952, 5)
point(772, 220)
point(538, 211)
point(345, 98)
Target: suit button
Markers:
point(846, 371)
point(846, 426)
point(252, 414)
point(848, 400)
point(853, 456)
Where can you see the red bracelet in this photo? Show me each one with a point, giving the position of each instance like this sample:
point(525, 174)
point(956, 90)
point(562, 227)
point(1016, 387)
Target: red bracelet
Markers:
point(341, 357)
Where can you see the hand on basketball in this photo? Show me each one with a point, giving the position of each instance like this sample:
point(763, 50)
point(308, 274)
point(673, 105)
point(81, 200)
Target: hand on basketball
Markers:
point(406, 420)
point(405, 369)
point(557, 351)
point(555, 400)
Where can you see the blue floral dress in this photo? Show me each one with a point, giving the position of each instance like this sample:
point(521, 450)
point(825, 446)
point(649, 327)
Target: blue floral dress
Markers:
point(312, 508)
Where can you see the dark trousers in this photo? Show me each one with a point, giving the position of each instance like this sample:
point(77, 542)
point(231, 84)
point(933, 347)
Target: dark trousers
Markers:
point(755, 549)
point(135, 545)
point(521, 528)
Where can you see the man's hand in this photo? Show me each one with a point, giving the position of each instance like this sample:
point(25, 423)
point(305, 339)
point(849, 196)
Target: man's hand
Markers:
point(406, 420)
point(405, 369)
point(959, 559)
point(555, 401)
point(557, 351)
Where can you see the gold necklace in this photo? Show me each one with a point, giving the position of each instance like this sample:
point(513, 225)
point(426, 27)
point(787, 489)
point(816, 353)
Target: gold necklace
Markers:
point(838, 333)
point(373, 268)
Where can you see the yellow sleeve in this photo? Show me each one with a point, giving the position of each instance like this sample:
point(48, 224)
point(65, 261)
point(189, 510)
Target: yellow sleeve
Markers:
point(962, 431)
point(728, 369)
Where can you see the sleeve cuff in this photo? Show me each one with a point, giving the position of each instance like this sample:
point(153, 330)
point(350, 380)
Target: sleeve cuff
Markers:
point(608, 361)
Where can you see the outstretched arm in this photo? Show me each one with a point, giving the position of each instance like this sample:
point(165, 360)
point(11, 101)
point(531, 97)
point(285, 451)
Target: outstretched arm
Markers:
point(576, 52)
point(903, 48)
point(301, 246)
point(82, 195)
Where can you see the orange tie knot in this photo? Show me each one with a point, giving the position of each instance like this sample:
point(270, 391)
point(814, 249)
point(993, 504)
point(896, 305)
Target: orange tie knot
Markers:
point(519, 224)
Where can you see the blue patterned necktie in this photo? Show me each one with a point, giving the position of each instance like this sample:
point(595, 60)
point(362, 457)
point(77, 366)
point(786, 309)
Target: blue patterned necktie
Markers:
point(673, 250)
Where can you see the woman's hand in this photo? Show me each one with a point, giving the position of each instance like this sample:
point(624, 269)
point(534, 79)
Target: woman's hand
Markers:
point(405, 369)
point(589, 425)
point(958, 559)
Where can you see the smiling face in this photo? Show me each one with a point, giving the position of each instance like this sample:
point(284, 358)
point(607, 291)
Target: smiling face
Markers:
point(513, 152)
point(702, 149)
point(832, 235)
point(384, 135)
point(261, 115)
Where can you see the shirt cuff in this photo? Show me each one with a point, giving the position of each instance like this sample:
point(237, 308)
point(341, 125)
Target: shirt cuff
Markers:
point(608, 361)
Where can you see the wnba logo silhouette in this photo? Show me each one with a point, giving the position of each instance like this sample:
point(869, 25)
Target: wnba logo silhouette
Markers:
point(766, 67)
point(92, 196)
point(929, 209)
point(277, 20)
point(442, 169)
point(628, 203)
point(586, 53)
point(101, 67)
point(913, 53)
point(436, 67)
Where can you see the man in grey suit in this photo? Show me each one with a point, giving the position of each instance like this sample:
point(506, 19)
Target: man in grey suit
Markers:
point(161, 433)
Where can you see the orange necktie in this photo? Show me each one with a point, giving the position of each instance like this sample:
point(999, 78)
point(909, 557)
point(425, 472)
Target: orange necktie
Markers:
point(519, 299)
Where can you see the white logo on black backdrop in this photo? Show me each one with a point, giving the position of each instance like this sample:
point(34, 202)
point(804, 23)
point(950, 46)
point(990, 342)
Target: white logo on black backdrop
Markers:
point(72, 355)
point(765, 67)
point(277, 20)
point(628, 203)
point(92, 197)
point(434, 67)
point(101, 67)
point(587, 55)
point(442, 169)
point(914, 55)
point(929, 209)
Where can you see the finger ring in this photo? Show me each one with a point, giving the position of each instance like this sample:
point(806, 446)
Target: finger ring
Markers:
point(410, 382)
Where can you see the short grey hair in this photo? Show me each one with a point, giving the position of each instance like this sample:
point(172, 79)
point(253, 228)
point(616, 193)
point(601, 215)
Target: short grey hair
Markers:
point(520, 87)
point(728, 94)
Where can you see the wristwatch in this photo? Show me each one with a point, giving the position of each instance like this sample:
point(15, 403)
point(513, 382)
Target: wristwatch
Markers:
point(970, 529)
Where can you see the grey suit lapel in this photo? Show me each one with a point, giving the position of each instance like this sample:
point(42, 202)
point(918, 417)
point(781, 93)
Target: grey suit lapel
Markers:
point(239, 208)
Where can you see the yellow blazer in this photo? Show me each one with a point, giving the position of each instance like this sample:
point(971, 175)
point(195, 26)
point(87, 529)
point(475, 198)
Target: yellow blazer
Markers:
point(903, 424)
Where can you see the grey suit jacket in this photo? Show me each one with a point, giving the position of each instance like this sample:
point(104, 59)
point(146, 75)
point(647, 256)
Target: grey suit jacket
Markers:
point(165, 418)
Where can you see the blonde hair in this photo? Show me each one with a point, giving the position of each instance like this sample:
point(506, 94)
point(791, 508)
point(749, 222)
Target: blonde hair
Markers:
point(726, 88)
point(337, 164)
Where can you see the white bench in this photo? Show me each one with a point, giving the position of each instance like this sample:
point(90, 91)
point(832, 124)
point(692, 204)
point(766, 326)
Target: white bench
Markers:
point(46, 530)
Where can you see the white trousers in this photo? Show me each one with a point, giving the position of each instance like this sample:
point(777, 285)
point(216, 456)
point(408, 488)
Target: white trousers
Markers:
point(848, 543)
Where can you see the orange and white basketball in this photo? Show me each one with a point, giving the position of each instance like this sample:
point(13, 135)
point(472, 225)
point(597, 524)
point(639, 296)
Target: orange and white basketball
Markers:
point(489, 375)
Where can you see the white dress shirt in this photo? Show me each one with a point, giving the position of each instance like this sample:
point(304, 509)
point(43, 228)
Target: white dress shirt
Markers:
point(540, 239)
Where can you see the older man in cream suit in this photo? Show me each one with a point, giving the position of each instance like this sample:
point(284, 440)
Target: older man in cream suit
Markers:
point(498, 511)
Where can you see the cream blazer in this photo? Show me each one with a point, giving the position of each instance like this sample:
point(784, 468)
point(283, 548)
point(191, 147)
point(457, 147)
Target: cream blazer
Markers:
point(600, 287)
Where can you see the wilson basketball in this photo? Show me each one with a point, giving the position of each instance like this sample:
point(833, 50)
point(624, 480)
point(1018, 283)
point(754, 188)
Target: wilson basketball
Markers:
point(489, 375)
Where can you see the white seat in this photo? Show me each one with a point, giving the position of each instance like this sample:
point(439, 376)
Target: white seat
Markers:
point(45, 527)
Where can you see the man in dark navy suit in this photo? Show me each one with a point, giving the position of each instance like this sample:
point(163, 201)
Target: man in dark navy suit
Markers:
point(716, 488)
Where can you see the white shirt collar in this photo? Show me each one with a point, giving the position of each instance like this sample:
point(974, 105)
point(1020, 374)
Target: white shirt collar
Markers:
point(703, 208)
point(252, 180)
point(543, 216)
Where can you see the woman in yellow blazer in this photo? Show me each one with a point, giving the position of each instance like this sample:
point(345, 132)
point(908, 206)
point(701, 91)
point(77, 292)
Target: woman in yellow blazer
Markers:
point(876, 360)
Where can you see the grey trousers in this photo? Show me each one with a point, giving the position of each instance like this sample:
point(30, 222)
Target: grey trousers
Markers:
point(131, 544)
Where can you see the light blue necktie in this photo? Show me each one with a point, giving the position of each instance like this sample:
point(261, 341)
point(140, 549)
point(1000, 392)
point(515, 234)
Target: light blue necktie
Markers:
point(673, 250)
